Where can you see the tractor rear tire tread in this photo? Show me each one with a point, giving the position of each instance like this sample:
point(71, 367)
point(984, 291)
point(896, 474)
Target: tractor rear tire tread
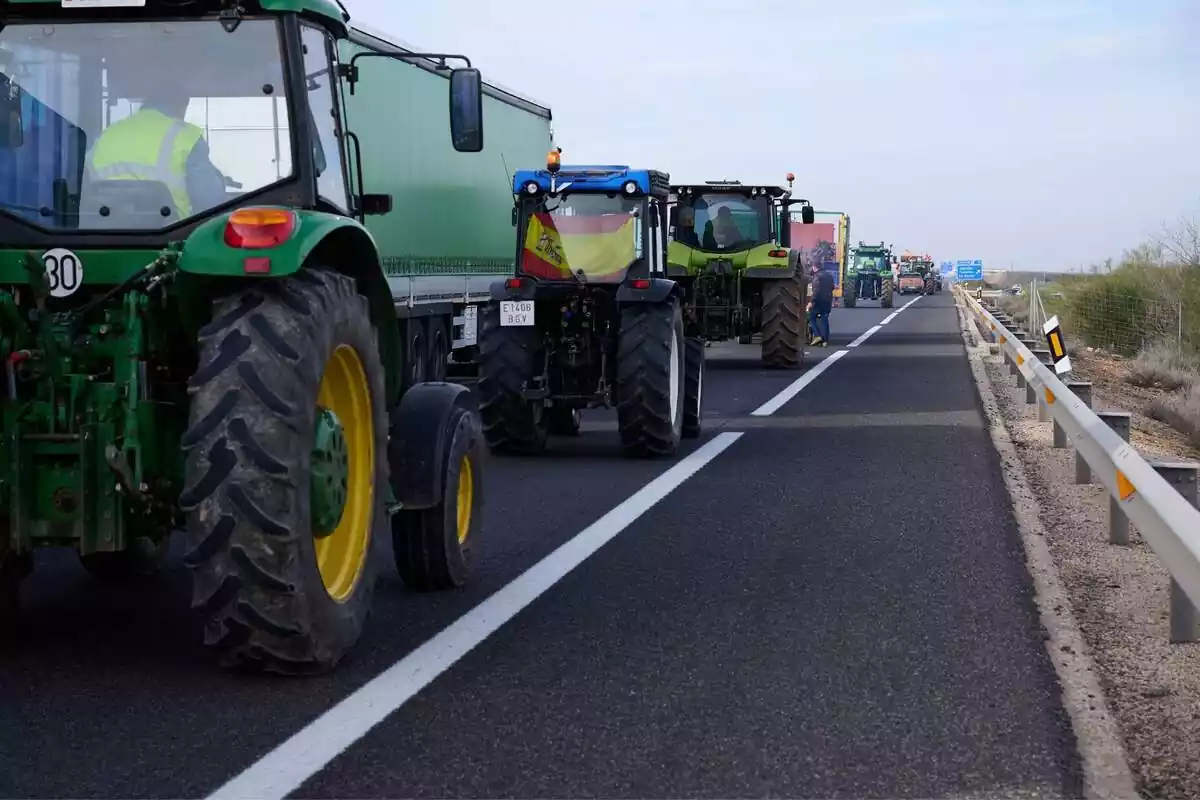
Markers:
point(693, 387)
point(507, 360)
point(644, 419)
point(250, 549)
point(784, 322)
point(887, 294)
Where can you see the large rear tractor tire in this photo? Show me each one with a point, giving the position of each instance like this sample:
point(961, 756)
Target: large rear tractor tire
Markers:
point(650, 378)
point(849, 294)
point(695, 359)
point(507, 362)
point(286, 473)
point(886, 296)
point(784, 322)
point(434, 546)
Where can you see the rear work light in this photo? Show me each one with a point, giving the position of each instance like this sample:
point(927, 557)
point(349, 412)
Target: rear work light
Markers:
point(259, 228)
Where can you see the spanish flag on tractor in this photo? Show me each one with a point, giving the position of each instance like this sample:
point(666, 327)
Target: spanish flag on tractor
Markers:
point(557, 248)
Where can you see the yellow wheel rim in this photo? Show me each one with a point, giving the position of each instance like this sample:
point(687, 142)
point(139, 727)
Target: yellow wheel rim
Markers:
point(466, 498)
point(342, 554)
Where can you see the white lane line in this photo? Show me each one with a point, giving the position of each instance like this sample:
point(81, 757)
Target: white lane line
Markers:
point(866, 335)
point(306, 753)
point(895, 313)
point(775, 403)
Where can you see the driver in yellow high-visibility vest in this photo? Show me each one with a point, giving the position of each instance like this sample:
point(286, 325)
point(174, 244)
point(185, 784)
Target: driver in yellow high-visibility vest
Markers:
point(156, 144)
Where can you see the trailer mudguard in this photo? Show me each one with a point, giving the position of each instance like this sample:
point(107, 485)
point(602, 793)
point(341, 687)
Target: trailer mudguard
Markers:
point(658, 290)
point(338, 242)
point(416, 444)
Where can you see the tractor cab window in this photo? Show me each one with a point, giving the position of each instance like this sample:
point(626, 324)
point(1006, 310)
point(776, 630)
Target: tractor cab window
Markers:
point(592, 237)
point(136, 125)
point(726, 222)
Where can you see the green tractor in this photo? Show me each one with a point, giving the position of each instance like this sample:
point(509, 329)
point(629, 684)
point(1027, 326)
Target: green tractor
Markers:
point(730, 252)
point(226, 362)
point(869, 276)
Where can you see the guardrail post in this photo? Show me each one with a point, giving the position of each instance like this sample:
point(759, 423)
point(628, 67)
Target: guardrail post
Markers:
point(1183, 475)
point(1118, 523)
point(1043, 409)
point(1082, 390)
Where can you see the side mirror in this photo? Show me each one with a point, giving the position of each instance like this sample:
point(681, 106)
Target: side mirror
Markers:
point(12, 123)
point(466, 110)
point(807, 215)
point(375, 204)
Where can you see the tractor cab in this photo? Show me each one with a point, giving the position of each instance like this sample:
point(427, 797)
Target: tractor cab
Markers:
point(589, 225)
point(721, 217)
point(243, 109)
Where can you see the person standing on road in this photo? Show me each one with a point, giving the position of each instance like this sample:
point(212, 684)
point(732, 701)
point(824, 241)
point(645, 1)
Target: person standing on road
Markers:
point(821, 306)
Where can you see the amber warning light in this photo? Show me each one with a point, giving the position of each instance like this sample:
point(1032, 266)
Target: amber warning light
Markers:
point(259, 228)
point(554, 160)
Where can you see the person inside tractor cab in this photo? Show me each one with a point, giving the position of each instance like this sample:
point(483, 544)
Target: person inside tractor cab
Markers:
point(157, 144)
point(725, 230)
point(821, 305)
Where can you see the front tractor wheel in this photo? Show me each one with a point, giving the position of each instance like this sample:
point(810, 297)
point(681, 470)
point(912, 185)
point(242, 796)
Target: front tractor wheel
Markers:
point(693, 387)
point(508, 363)
point(434, 546)
point(286, 473)
point(650, 378)
point(887, 294)
point(784, 321)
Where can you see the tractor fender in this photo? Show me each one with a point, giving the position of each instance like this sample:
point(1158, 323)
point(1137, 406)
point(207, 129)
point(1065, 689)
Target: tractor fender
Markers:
point(328, 240)
point(659, 290)
point(417, 440)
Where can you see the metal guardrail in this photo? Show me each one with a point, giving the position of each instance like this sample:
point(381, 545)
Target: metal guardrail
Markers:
point(1167, 521)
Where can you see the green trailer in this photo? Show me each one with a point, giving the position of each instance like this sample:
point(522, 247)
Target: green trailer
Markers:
point(206, 317)
point(869, 276)
point(731, 253)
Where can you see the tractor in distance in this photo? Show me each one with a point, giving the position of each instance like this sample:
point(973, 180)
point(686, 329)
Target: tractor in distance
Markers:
point(731, 251)
point(869, 275)
point(589, 319)
point(223, 361)
point(917, 274)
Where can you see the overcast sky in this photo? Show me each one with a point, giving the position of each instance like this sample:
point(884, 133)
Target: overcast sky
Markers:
point(1046, 134)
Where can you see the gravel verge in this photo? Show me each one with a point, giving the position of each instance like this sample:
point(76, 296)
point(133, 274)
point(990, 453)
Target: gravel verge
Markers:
point(1118, 596)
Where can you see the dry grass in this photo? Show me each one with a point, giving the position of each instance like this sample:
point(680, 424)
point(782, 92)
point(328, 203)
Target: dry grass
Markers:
point(1163, 365)
point(1181, 410)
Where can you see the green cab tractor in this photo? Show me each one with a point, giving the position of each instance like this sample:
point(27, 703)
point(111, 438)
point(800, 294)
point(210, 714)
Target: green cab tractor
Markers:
point(869, 276)
point(213, 354)
point(731, 252)
point(589, 319)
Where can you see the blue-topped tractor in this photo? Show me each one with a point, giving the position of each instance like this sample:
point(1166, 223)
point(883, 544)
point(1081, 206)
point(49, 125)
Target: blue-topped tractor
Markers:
point(589, 319)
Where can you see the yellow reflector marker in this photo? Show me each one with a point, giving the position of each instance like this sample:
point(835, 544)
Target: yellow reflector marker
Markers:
point(993, 326)
point(1003, 339)
point(1125, 489)
point(1050, 398)
point(1020, 359)
point(1056, 347)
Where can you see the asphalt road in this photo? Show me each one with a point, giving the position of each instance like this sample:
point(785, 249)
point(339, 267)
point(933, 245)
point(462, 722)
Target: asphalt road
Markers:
point(833, 605)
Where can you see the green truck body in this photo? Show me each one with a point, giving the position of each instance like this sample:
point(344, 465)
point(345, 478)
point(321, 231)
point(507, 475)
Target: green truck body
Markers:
point(235, 348)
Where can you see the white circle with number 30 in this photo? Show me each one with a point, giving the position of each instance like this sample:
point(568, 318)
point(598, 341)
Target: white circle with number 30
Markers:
point(64, 272)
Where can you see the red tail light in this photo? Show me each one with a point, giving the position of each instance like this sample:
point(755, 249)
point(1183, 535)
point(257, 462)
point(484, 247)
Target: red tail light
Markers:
point(641, 283)
point(778, 254)
point(259, 228)
point(512, 283)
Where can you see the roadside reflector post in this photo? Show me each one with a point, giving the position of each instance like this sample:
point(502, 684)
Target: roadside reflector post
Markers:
point(1183, 475)
point(1118, 523)
point(1060, 362)
point(1082, 390)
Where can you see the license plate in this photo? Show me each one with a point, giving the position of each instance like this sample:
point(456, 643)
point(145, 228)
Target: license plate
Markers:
point(516, 313)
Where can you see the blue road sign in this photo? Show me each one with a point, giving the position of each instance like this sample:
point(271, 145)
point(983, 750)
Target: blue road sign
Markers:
point(969, 270)
point(947, 267)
